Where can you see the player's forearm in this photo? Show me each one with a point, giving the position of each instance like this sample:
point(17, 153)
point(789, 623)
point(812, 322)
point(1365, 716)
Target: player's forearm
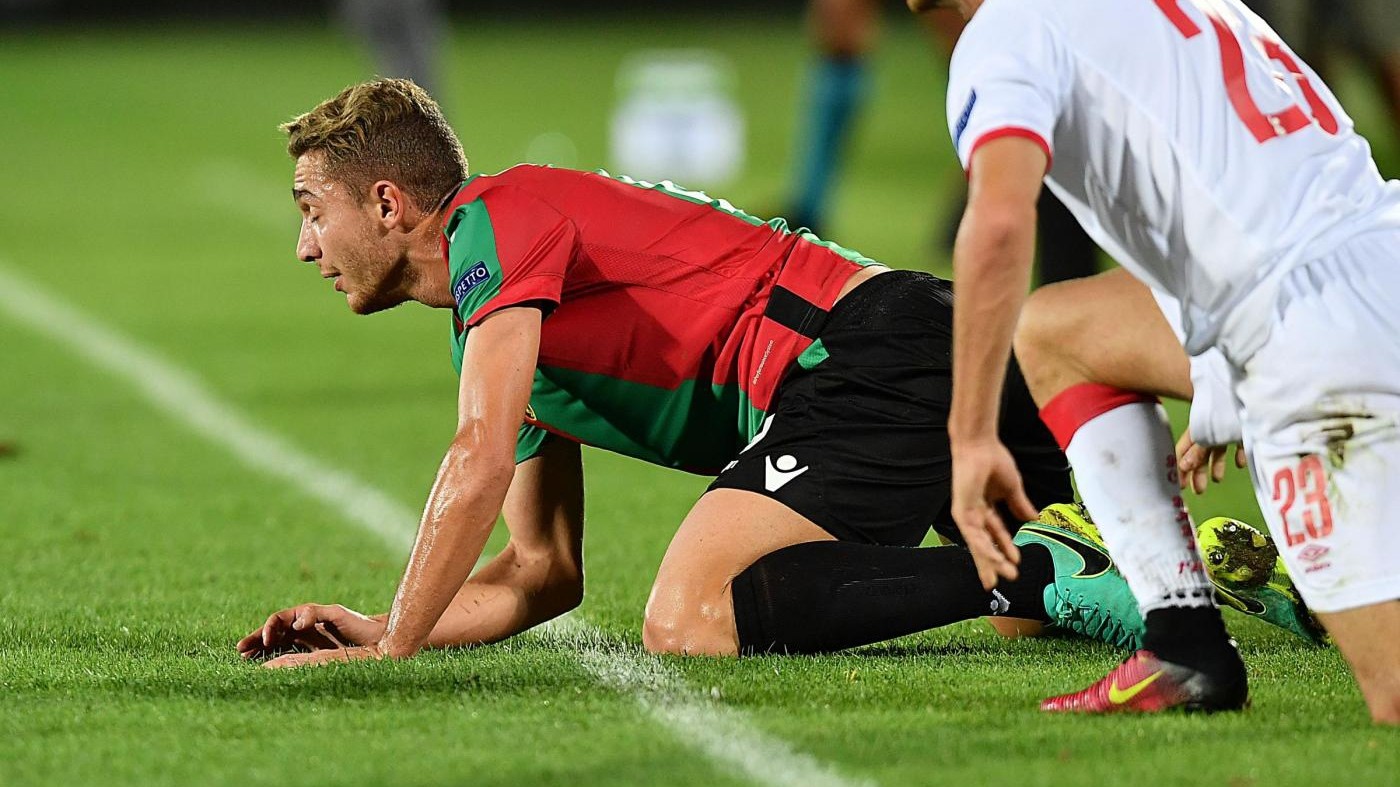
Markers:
point(991, 273)
point(511, 594)
point(461, 511)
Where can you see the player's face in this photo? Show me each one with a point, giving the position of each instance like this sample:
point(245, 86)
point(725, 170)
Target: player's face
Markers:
point(340, 234)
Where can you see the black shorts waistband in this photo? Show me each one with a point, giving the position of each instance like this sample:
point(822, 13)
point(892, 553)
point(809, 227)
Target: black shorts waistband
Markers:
point(800, 315)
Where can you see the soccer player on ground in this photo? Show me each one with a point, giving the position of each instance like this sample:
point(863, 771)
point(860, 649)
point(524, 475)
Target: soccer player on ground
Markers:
point(1218, 168)
point(670, 327)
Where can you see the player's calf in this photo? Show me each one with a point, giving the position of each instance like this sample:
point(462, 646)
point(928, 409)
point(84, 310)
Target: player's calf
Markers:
point(1367, 637)
point(826, 596)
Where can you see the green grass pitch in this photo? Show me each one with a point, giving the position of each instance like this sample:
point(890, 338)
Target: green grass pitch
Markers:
point(144, 184)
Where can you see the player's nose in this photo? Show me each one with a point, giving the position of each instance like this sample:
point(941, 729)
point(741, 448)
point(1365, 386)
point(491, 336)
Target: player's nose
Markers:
point(307, 248)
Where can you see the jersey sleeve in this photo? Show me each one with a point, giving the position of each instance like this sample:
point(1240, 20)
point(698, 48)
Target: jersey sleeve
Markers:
point(506, 248)
point(1010, 76)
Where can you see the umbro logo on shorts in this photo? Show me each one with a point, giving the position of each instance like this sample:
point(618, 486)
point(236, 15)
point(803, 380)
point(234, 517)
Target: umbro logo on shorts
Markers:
point(777, 474)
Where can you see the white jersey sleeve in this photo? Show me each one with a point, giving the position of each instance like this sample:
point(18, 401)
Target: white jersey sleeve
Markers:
point(1010, 76)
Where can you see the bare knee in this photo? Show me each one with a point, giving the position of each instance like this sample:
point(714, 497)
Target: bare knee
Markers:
point(664, 633)
point(1045, 340)
point(683, 622)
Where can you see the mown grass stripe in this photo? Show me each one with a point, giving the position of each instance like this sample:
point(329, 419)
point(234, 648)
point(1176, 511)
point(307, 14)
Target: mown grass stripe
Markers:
point(722, 734)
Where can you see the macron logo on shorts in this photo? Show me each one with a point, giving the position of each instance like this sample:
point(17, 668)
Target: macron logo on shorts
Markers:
point(776, 475)
point(475, 275)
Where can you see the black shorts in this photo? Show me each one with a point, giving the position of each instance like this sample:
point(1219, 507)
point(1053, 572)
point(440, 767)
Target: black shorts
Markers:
point(857, 442)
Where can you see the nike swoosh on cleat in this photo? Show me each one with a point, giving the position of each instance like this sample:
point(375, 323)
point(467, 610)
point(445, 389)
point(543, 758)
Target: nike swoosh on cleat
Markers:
point(1095, 561)
point(1249, 606)
point(1119, 696)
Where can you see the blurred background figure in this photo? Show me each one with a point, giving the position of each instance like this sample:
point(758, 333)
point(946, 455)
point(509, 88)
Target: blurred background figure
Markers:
point(1366, 32)
point(844, 34)
point(677, 118)
point(404, 36)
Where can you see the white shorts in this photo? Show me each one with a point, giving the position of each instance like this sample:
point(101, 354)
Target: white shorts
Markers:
point(1321, 422)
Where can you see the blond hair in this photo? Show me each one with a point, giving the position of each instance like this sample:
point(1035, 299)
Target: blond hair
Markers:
point(385, 129)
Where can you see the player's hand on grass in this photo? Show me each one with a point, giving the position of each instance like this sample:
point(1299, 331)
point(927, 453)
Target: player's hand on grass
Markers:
point(984, 474)
point(1198, 464)
point(310, 627)
point(317, 658)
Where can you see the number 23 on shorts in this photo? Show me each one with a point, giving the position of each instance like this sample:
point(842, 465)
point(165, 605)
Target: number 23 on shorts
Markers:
point(1310, 517)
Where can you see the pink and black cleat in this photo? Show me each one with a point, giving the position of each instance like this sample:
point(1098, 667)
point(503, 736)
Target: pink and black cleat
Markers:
point(1146, 684)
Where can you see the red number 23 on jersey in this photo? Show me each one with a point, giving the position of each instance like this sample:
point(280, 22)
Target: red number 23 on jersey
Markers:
point(1264, 126)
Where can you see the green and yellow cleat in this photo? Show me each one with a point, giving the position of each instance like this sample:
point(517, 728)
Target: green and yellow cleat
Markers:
point(1089, 596)
point(1249, 576)
point(1072, 516)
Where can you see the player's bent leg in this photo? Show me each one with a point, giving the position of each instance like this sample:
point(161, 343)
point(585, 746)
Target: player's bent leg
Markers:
point(807, 542)
point(691, 611)
point(1095, 388)
point(1104, 329)
point(747, 574)
point(1322, 422)
point(1368, 636)
point(827, 596)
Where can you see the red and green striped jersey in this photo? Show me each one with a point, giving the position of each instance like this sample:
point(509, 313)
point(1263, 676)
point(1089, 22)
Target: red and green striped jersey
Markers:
point(656, 344)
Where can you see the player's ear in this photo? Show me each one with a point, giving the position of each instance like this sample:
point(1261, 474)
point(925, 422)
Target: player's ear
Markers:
point(389, 201)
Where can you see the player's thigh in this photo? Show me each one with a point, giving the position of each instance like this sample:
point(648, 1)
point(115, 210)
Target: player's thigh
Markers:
point(1105, 329)
point(691, 608)
point(1369, 638)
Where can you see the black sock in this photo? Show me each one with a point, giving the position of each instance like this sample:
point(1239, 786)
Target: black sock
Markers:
point(1194, 637)
point(825, 596)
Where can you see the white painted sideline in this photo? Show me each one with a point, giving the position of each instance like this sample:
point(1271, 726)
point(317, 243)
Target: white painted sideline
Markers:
point(723, 734)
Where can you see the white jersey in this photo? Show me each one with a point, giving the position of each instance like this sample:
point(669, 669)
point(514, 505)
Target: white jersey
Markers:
point(1192, 145)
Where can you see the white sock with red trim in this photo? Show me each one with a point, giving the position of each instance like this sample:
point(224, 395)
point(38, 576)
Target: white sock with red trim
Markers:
point(1120, 445)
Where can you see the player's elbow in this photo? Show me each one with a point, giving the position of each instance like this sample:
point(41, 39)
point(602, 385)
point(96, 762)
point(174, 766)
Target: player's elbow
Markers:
point(566, 596)
point(549, 576)
point(994, 226)
point(479, 464)
point(563, 587)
